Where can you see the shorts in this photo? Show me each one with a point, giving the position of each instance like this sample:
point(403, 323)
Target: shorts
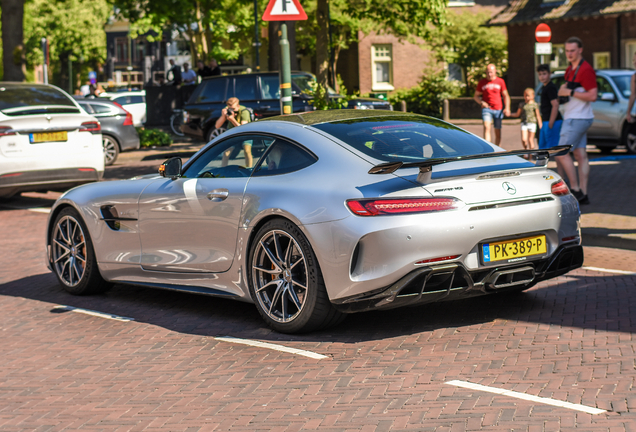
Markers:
point(530, 127)
point(550, 137)
point(574, 132)
point(492, 116)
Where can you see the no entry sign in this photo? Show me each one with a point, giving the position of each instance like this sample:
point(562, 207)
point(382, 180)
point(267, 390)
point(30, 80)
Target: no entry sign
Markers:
point(543, 33)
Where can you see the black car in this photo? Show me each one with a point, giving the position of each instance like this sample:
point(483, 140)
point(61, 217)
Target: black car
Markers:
point(118, 131)
point(258, 91)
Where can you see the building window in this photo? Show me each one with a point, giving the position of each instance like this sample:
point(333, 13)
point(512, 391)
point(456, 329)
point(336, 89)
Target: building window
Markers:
point(382, 71)
point(630, 50)
point(121, 49)
point(601, 60)
point(558, 60)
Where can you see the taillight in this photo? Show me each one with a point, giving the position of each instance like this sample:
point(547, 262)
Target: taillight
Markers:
point(129, 119)
point(560, 188)
point(6, 131)
point(438, 259)
point(373, 207)
point(91, 126)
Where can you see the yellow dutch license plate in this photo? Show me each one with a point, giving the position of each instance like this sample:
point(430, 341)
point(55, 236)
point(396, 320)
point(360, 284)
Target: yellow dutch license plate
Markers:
point(48, 137)
point(514, 249)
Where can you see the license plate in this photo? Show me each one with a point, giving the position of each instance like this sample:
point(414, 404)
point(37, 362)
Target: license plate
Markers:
point(48, 137)
point(514, 250)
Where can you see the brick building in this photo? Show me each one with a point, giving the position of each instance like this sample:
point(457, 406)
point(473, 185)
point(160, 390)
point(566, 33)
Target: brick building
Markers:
point(607, 28)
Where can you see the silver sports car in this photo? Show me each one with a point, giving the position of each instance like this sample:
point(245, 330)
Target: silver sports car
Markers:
point(311, 216)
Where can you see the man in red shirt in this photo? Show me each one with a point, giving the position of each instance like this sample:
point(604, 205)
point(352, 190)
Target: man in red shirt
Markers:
point(581, 88)
point(489, 95)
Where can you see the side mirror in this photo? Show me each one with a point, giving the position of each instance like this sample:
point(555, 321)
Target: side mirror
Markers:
point(608, 97)
point(171, 168)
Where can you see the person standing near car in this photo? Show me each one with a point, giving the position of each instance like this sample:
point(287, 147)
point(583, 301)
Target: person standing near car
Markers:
point(631, 133)
point(215, 68)
point(577, 93)
point(549, 108)
point(188, 76)
point(233, 115)
point(175, 72)
point(203, 70)
point(488, 95)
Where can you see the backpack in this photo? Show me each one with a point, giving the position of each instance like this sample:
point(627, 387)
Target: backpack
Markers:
point(251, 111)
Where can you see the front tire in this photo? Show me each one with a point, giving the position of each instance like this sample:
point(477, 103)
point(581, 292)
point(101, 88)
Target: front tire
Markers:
point(175, 124)
point(213, 133)
point(285, 280)
point(72, 255)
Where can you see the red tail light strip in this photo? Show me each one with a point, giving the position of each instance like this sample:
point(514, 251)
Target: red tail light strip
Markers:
point(432, 260)
point(373, 207)
point(560, 188)
point(6, 130)
point(92, 127)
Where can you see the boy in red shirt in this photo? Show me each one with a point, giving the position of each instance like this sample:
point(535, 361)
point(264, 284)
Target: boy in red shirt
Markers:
point(488, 95)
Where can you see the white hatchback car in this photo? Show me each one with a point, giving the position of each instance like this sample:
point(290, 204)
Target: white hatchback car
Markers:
point(132, 101)
point(47, 142)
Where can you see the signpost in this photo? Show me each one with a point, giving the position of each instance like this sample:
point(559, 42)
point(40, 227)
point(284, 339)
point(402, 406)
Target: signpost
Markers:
point(284, 10)
point(543, 34)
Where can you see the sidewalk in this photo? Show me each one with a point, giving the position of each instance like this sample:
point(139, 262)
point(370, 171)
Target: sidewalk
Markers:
point(608, 221)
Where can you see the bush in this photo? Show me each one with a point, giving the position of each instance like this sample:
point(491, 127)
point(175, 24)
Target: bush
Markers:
point(428, 97)
point(153, 137)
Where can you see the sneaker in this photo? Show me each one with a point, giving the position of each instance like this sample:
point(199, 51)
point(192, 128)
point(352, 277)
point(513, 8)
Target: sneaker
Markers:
point(578, 195)
point(584, 199)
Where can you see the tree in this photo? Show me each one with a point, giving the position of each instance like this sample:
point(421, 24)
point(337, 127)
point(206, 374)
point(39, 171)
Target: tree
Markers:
point(467, 43)
point(75, 30)
point(12, 39)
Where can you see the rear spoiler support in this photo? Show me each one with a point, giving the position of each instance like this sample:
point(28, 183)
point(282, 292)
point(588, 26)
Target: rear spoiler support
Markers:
point(541, 158)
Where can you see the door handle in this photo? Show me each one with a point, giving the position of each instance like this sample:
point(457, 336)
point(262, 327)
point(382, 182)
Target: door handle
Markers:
point(218, 195)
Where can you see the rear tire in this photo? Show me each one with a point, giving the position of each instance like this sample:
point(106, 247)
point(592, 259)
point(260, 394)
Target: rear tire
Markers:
point(175, 124)
point(285, 280)
point(111, 149)
point(72, 255)
point(213, 133)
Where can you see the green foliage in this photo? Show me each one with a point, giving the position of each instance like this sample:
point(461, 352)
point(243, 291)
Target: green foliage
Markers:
point(466, 42)
point(74, 28)
point(320, 97)
point(154, 137)
point(428, 97)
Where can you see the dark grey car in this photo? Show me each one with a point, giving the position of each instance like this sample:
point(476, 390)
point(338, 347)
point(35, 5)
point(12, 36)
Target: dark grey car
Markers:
point(118, 132)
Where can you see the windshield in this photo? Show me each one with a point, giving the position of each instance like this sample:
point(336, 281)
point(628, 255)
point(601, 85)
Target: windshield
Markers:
point(303, 82)
point(30, 95)
point(622, 82)
point(406, 138)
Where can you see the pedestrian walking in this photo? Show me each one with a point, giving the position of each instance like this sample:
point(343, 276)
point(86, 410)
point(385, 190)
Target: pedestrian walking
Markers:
point(188, 76)
point(549, 108)
point(577, 93)
point(530, 116)
point(174, 73)
point(489, 94)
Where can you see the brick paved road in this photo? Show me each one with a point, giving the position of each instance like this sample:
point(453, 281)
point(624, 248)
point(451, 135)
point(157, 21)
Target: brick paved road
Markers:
point(569, 339)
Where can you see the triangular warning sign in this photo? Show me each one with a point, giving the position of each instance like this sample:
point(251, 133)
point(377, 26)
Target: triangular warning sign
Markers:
point(284, 10)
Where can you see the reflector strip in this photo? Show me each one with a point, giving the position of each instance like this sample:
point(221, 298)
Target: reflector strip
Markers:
point(514, 394)
point(446, 258)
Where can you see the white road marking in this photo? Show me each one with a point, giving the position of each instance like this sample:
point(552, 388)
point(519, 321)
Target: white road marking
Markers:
point(94, 313)
point(598, 269)
point(271, 346)
point(514, 394)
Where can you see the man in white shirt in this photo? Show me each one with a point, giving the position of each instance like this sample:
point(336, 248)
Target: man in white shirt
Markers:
point(188, 76)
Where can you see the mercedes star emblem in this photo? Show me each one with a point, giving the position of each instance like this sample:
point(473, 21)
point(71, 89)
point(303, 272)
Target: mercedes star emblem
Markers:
point(509, 187)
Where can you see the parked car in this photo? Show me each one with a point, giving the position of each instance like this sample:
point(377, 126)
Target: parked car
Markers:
point(132, 101)
point(342, 211)
point(258, 91)
point(609, 128)
point(118, 131)
point(47, 142)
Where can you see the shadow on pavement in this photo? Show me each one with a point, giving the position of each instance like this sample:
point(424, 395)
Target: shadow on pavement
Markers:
point(578, 300)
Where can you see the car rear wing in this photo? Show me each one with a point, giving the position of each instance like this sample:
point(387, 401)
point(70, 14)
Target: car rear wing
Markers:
point(426, 167)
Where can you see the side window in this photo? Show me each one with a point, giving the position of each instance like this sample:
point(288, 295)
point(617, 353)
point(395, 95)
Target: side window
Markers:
point(100, 109)
point(603, 86)
point(270, 87)
point(136, 99)
point(122, 100)
point(214, 91)
point(233, 157)
point(245, 88)
point(88, 108)
point(283, 157)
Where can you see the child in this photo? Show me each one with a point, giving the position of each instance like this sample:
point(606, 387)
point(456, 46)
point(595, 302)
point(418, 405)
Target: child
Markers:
point(552, 120)
point(530, 119)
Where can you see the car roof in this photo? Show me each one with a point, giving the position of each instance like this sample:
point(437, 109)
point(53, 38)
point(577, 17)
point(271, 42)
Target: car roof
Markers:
point(328, 116)
point(610, 72)
point(256, 74)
